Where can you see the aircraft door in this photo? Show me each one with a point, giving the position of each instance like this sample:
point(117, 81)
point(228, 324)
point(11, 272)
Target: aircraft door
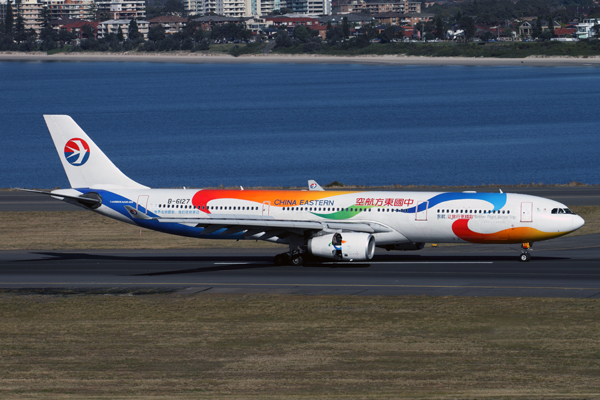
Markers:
point(266, 207)
point(526, 212)
point(421, 211)
point(142, 202)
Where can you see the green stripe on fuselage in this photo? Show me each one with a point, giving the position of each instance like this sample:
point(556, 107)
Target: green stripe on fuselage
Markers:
point(343, 214)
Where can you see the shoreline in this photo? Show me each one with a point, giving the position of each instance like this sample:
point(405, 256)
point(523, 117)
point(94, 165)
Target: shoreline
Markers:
point(197, 58)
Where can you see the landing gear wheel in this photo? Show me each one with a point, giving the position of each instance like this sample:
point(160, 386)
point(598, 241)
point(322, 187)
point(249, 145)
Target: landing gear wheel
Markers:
point(297, 260)
point(525, 257)
point(281, 259)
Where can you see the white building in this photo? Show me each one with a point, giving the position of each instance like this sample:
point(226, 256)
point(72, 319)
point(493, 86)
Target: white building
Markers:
point(112, 26)
point(320, 7)
point(230, 8)
point(585, 30)
point(194, 7)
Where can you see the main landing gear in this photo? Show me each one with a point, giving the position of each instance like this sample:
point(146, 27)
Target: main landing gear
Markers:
point(525, 256)
point(294, 258)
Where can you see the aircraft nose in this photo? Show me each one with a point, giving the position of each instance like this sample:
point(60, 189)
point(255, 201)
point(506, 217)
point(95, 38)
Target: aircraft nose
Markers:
point(577, 222)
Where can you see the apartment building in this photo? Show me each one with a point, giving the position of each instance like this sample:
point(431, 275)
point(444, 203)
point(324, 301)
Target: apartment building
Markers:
point(31, 11)
point(122, 9)
point(231, 8)
point(170, 23)
point(71, 9)
point(112, 26)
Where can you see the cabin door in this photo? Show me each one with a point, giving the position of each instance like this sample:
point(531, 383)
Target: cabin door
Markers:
point(421, 211)
point(266, 207)
point(526, 212)
point(142, 203)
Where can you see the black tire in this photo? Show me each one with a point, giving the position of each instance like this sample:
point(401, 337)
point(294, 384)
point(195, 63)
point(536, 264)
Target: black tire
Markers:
point(297, 260)
point(281, 259)
point(525, 257)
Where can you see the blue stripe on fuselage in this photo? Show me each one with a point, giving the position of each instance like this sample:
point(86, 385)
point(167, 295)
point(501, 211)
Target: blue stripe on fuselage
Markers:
point(498, 200)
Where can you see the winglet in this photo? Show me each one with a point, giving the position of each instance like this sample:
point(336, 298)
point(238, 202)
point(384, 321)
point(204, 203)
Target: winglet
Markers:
point(313, 185)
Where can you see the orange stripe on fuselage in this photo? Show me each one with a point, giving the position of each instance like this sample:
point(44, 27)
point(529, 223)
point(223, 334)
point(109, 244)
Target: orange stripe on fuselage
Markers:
point(511, 235)
point(282, 198)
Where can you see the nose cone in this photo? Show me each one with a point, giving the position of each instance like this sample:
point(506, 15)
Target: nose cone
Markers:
point(577, 222)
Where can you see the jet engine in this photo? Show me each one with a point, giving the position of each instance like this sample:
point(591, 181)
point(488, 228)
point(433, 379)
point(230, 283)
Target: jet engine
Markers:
point(343, 246)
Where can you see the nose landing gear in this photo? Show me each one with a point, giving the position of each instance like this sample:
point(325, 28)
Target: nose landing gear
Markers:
point(525, 256)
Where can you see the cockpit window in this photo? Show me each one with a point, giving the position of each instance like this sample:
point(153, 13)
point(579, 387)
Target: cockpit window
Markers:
point(561, 211)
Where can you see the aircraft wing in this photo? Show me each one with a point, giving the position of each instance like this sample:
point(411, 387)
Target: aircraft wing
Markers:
point(253, 225)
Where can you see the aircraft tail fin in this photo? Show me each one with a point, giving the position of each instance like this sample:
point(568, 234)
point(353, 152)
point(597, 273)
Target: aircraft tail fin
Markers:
point(313, 185)
point(85, 164)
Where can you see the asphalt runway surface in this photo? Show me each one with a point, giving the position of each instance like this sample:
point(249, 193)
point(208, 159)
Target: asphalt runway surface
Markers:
point(564, 267)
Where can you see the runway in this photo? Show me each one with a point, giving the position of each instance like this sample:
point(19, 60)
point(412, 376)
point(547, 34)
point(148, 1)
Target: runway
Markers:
point(567, 267)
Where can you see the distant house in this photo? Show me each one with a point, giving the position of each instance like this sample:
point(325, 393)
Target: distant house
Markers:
point(321, 29)
point(76, 27)
point(565, 32)
point(171, 23)
point(526, 28)
point(585, 30)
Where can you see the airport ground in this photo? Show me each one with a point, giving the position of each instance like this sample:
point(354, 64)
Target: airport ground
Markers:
point(178, 321)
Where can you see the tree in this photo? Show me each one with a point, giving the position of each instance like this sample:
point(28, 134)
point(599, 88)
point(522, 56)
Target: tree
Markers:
point(596, 28)
point(345, 28)
point(134, 32)
point(282, 39)
point(8, 20)
point(439, 27)
point(388, 34)
point(156, 33)
point(174, 7)
point(301, 33)
point(65, 36)
point(120, 36)
point(467, 24)
point(20, 35)
point(551, 26)
point(87, 32)
point(536, 30)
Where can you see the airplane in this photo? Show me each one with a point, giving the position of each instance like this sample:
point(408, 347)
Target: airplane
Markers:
point(315, 224)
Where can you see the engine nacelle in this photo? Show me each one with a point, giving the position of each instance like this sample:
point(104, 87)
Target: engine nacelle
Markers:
point(343, 246)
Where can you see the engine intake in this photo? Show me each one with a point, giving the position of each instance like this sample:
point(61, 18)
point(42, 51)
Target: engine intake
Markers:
point(343, 246)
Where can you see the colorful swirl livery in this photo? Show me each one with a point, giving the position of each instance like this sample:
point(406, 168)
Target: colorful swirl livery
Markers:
point(315, 224)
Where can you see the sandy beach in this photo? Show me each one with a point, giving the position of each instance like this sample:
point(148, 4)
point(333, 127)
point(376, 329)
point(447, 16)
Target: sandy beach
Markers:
point(196, 58)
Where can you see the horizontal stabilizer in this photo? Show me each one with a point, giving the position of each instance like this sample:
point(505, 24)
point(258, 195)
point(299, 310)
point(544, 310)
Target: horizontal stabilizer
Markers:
point(89, 201)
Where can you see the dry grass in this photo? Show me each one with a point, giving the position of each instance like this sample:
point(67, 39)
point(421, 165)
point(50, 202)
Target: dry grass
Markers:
point(591, 215)
point(284, 347)
point(74, 230)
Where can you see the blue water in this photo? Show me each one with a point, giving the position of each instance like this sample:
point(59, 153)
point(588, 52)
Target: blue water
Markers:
point(173, 125)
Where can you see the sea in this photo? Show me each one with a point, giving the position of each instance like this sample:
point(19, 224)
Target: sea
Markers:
point(278, 125)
